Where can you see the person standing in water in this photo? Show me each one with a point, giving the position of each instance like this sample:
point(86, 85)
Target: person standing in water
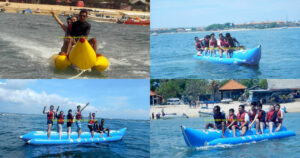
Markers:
point(50, 117)
point(79, 118)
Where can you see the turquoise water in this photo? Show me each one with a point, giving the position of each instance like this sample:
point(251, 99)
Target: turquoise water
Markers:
point(134, 144)
point(167, 141)
point(172, 56)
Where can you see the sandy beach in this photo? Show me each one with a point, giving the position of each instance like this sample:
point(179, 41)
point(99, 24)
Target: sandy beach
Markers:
point(194, 111)
point(45, 9)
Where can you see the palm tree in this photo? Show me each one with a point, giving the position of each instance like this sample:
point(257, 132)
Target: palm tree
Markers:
point(214, 86)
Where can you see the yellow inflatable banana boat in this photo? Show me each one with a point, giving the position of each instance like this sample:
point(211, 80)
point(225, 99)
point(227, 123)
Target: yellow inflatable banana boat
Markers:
point(83, 56)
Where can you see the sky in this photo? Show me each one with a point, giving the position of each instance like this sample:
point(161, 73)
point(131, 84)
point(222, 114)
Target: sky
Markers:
point(199, 13)
point(119, 98)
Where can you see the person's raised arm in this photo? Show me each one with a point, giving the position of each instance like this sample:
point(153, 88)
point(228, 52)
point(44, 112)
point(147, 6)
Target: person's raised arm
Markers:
point(85, 106)
point(44, 111)
point(236, 41)
point(90, 116)
point(59, 21)
point(57, 109)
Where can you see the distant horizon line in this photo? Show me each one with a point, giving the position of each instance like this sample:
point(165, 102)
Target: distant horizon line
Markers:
point(1, 112)
point(220, 23)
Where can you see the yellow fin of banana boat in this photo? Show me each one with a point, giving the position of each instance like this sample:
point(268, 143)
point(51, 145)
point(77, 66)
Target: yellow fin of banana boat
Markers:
point(61, 62)
point(83, 55)
point(101, 63)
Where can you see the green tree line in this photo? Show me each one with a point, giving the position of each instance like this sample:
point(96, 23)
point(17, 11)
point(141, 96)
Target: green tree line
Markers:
point(193, 88)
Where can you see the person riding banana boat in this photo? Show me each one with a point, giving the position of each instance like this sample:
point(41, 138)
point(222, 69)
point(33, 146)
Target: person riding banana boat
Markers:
point(76, 33)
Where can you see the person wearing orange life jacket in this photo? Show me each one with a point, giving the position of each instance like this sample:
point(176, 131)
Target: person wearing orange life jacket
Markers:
point(232, 122)
point(199, 46)
point(92, 125)
point(60, 122)
point(271, 118)
point(279, 118)
point(259, 119)
point(213, 44)
point(243, 120)
point(220, 120)
point(50, 117)
point(78, 117)
point(252, 114)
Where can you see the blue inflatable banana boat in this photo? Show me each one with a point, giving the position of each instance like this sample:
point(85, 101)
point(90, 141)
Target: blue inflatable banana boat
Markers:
point(40, 137)
point(239, 57)
point(211, 137)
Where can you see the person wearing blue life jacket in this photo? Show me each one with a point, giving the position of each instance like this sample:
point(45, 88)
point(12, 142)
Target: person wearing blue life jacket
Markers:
point(243, 120)
point(232, 122)
point(50, 117)
point(220, 120)
point(259, 120)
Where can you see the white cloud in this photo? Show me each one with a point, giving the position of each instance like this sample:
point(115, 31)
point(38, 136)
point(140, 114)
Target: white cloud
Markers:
point(16, 83)
point(19, 99)
point(29, 101)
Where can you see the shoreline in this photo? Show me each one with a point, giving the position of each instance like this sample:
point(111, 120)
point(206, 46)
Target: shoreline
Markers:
point(109, 15)
point(230, 30)
point(291, 107)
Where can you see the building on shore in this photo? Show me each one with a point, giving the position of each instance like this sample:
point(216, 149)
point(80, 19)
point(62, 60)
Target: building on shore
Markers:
point(232, 89)
point(136, 5)
point(279, 90)
point(155, 99)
